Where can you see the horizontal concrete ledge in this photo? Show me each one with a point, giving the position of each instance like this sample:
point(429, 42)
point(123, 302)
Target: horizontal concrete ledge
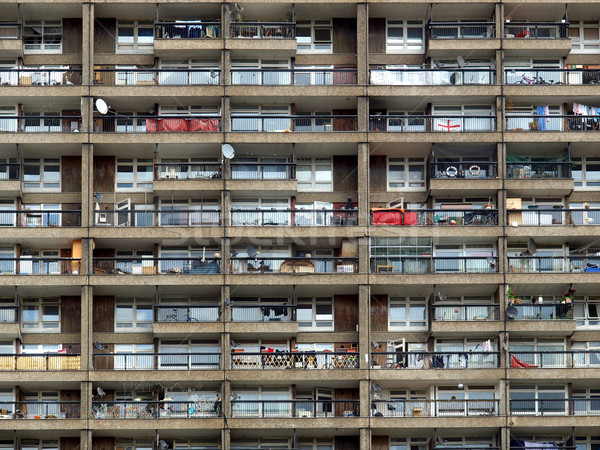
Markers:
point(297, 375)
point(305, 422)
point(152, 424)
point(152, 376)
point(438, 422)
point(436, 375)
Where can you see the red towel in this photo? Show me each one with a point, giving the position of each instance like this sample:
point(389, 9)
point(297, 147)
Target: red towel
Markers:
point(515, 362)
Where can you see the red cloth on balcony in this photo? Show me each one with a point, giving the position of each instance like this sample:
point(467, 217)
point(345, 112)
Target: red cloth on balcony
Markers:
point(151, 125)
point(387, 217)
point(172, 125)
point(514, 362)
point(204, 125)
point(410, 218)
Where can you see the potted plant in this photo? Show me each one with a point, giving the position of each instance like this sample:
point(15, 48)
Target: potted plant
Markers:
point(512, 296)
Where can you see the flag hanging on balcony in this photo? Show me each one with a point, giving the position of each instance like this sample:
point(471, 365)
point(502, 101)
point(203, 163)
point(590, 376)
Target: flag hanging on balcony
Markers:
point(450, 125)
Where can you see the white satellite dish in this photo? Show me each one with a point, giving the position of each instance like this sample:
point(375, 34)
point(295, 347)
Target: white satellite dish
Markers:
point(461, 61)
point(101, 106)
point(227, 151)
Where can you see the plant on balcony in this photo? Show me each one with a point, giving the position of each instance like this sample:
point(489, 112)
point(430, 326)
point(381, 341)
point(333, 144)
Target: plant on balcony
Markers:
point(568, 296)
point(512, 296)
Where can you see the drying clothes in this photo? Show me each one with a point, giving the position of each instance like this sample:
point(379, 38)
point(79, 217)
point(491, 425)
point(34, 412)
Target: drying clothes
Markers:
point(487, 346)
point(539, 445)
point(541, 111)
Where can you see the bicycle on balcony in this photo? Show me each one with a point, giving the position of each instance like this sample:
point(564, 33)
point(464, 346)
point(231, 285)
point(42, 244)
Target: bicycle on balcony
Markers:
point(174, 317)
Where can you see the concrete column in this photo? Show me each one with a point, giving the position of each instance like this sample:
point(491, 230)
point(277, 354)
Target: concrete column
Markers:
point(363, 255)
point(87, 171)
point(87, 43)
point(226, 397)
point(365, 398)
point(363, 184)
point(87, 261)
point(86, 327)
point(225, 115)
point(225, 439)
point(86, 399)
point(226, 67)
point(365, 439)
point(226, 20)
point(364, 344)
point(505, 438)
point(226, 351)
point(363, 114)
point(225, 310)
point(85, 440)
point(362, 42)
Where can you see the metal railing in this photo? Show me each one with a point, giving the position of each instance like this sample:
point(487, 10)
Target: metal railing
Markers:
point(147, 265)
point(551, 76)
point(263, 171)
point(436, 360)
point(9, 314)
point(294, 360)
point(298, 265)
point(42, 410)
point(555, 407)
point(10, 30)
point(458, 312)
point(468, 170)
point(536, 30)
point(461, 30)
point(193, 29)
point(293, 217)
point(162, 218)
point(555, 359)
point(294, 123)
point(552, 122)
point(548, 170)
point(265, 30)
point(32, 218)
point(120, 123)
point(40, 124)
point(187, 313)
point(422, 123)
point(157, 361)
point(41, 361)
point(39, 266)
point(432, 217)
point(585, 216)
point(553, 264)
point(158, 77)
point(537, 217)
point(295, 408)
point(434, 408)
point(293, 77)
point(39, 77)
point(431, 77)
point(263, 312)
point(187, 171)
point(10, 171)
point(156, 410)
point(433, 264)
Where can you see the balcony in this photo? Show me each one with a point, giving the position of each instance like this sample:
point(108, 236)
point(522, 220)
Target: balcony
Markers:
point(555, 359)
point(10, 39)
point(41, 410)
point(293, 77)
point(536, 30)
point(294, 360)
point(191, 29)
point(32, 218)
point(431, 77)
point(461, 30)
point(555, 407)
point(436, 360)
point(421, 123)
point(187, 171)
point(155, 410)
point(187, 313)
point(40, 124)
point(548, 76)
point(262, 171)
point(434, 408)
point(39, 266)
point(545, 170)
point(163, 266)
point(294, 123)
point(263, 312)
point(156, 77)
point(264, 30)
point(157, 361)
point(569, 123)
point(553, 264)
point(120, 123)
point(158, 218)
point(433, 264)
point(294, 408)
point(38, 362)
point(465, 313)
point(294, 265)
point(472, 170)
point(40, 77)
point(435, 217)
point(538, 217)
point(557, 311)
point(293, 217)
point(447, 39)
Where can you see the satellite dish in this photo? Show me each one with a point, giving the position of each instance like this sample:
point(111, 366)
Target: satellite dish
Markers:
point(101, 106)
point(238, 8)
point(376, 387)
point(234, 253)
point(531, 247)
point(98, 346)
point(512, 312)
point(438, 64)
point(100, 392)
point(461, 61)
point(227, 151)
point(162, 445)
point(375, 344)
point(252, 253)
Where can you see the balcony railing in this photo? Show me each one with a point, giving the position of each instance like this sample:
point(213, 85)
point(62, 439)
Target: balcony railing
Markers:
point(171, 265)
point(434, 408)
point(468, 170)
point(10, 30)
point(293, 217)
point(536, 30)
point(39, 77)
point(552, 122)
point(8, 314)
point(265, 30)
point(187, 171)
point(537, 217)
point(192, 29)
point(187, 313)
point(295, 360)
point(422, 123)
point(41, 410)
point(433, 264)
point(461, 30)
point(555, 407)
point(42, 361)
point(32, 218)
point(245, 312)
point(433, 217)
point(297, 123)
point(157, 361)
point(547, 170)
point(10, 171)
point(431, 77)
point(555, 359)
point(262, 171)
point(40, 124)
point(547, 76)
point(295, 408)
point(460, 313)
point(553, 264)
point(120, 123)
point(297, 265)
point(163, 218)
point(158, 77)
point(156, 410)
point(294, 77)
point(436, 360)
point(39, 266)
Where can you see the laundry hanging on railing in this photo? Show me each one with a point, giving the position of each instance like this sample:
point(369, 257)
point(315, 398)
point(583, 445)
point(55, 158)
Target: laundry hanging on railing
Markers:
point(543, 110)
point(584, 110)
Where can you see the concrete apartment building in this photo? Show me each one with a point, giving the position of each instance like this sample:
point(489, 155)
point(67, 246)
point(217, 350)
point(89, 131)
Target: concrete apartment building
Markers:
point(397, 248)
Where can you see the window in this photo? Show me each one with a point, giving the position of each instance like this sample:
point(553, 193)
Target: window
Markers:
point(7, 260)
point(41, 404)
point(7, 396)
point(39, 444)
point(42, 36)
point(41, 175)
point(314, 174)
point(135, 36)
point(134, 174)
point(408, 444)
point(189, 355)
point(133, 314)
point(469, 401)
point(465, 442)
point(256, 118)
point(200, 72)
point(531, 351)
point(188, 213)
point(248, 309)
point(586, 312)
point(315, 314)
point(133, 444)
point(463, 118)
point(41, 315)
point(190, 259)
point(315, 444)
point(314, 36)
point(40, 348)
point(276, 403)
point(538, 400)
point(260, 168)
point(388, 253)
point(260, 71)
point(40, 215)
point(527, 118)
point(585, 36)
point(586, 173)
point(274, 212)
point(134, 357)
point(406, 173)
point(196, 444)
point(407, 313)
point(405, 36)
point(586, 354)
point(8, 216)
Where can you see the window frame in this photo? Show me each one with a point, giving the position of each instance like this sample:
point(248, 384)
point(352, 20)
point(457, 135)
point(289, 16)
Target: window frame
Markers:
point(406, 302)
point(315, 185)
point(43, 46)
point(136, 46)
point(315, 46)
point(315, 324)
point(136, 184)
point(406, 162)
point(135, 304)
point(404, 45)
point(42, 184)
point(40, 325)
